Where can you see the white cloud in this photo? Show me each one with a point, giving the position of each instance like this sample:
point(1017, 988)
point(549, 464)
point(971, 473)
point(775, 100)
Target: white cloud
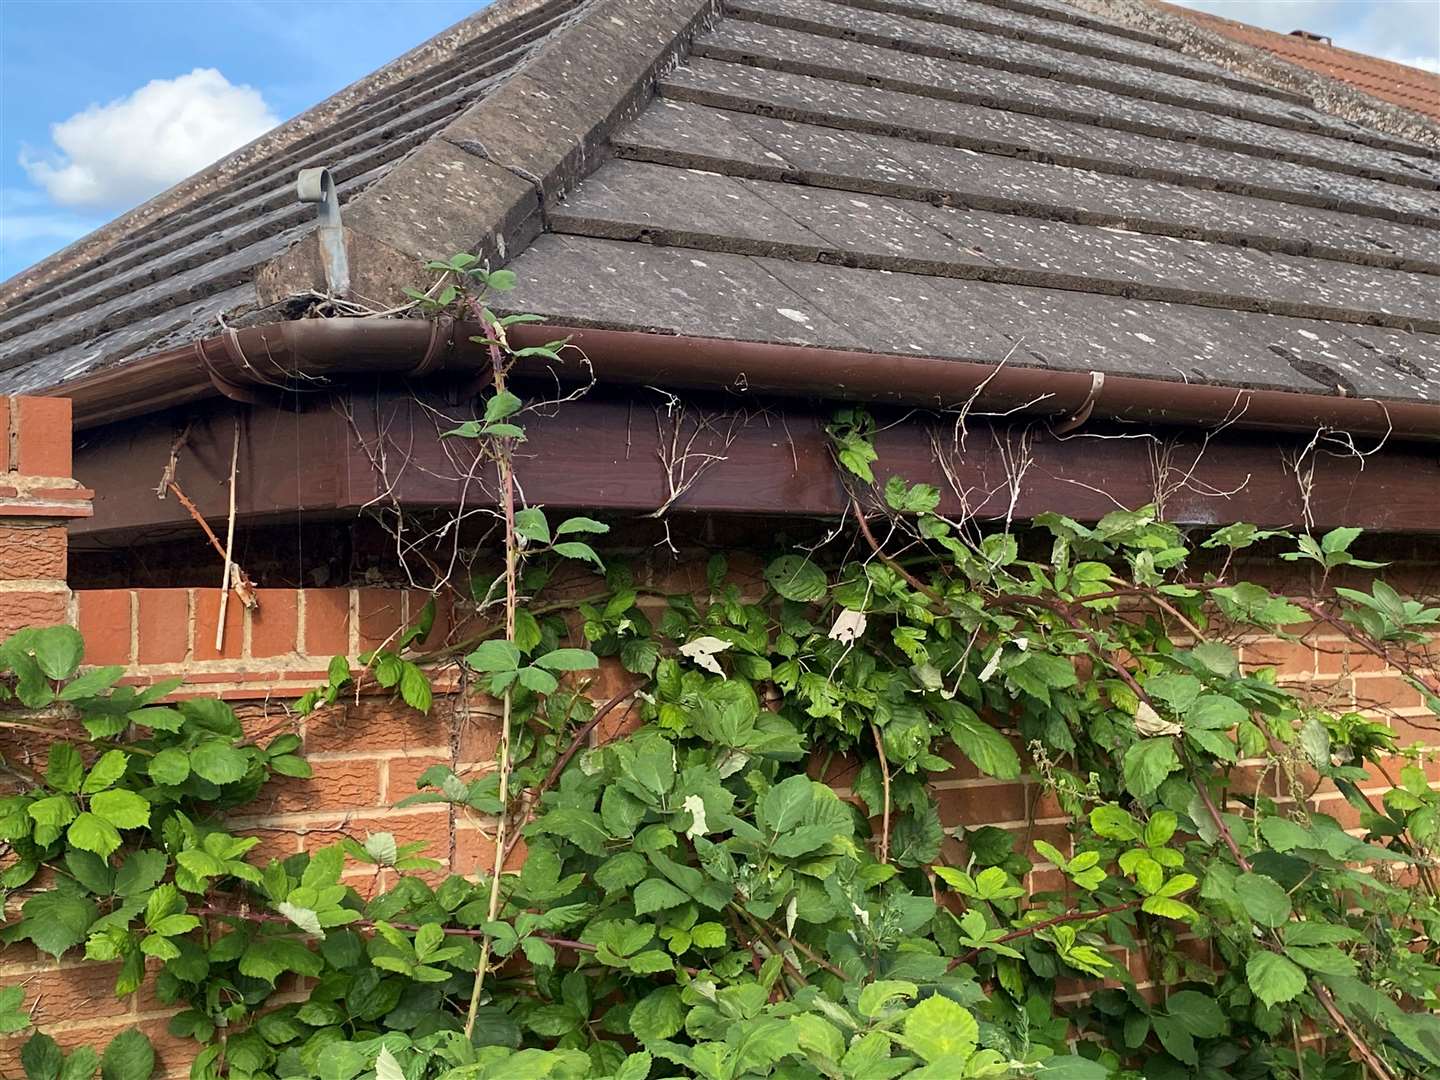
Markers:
point(119, 154)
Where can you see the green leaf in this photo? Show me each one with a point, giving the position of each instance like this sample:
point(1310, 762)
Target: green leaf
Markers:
point(877, 995)
point(140, 871)
point(13, 1016)
point(620, 871)
point(1114, 823)
point(796, 578)
point(1147, 763)
point(91, 870)
point(916, 499)
point(1272, 978)
point(538, 680)
point(128, 1057)
point(502, 405)
point(495, 655)
point(938, 1028)
point(1200, 1014)
point(219, 762)
point(109, 768)
point(123, 809)
point(785, 805)
point(90, 832)
point(414, 688)
point(658, 1015)
point(41, 1057)
point(64, 769)
point(53, 810)
point(573, 549)
point(581, 525)
point(634, 1067)
point(1339, 539)
point(991, 752)
point(1263, 899)
point(92, 683)
point(291, 765)
point(303, 917)
point(1282, 834)
point(57, 920)
point(1072, 1067)
point(568, 660)
point(656, 894)
point(651, 962)
point(58, 650)
point(1217, 658)
point(1175, 1039)
point(387, 1067)
point(1216, 712)
point(531, 524)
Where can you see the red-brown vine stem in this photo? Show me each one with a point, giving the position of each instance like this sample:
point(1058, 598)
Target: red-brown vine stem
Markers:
point(885, 781)
point(505, 468)
point(1368, 1056)
point(1045, 924)
point(1066, 612)
point(244, 914)
point(533, 797)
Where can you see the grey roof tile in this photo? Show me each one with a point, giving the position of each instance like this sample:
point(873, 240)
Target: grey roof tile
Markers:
point(704, 210)
point(870, 65)
point(945, 123)
point(1015, 180)
point(744, 144)
point(726, 295)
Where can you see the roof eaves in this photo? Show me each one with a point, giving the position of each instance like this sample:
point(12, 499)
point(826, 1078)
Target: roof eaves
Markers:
point(482, 183)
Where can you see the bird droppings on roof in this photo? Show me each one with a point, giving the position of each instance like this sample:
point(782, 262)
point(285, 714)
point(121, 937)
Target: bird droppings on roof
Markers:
point(1106, 185)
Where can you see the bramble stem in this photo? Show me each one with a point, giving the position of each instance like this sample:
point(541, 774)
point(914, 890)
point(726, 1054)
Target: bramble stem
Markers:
point(505, 468)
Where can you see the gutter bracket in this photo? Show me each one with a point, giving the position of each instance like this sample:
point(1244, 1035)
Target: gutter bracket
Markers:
point(228, 388)
point(1069, 423)
point(438, 349)
point(318, 186)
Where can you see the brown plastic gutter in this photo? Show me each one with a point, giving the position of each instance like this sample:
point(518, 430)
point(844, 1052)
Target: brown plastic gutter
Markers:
point(258, 363)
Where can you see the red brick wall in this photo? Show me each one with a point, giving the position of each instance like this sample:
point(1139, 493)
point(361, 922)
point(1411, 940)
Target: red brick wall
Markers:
point(367, 751)
point(37, 496)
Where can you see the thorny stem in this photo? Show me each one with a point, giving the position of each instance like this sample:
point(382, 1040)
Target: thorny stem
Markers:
point(914, 582)
point(1372, 1062)
point(533, 798)
point(505, 468)
point(771, 947)
point(1045, 924)
point(1066, 612)
point(245, 914)
point(885, 779)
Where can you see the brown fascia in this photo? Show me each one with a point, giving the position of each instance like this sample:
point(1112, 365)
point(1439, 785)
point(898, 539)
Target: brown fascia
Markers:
point(264, 363)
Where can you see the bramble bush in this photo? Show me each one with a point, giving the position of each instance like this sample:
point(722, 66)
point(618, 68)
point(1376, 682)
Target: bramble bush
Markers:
point(693, 904)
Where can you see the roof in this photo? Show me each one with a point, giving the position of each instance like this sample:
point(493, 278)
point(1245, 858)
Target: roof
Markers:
point(1401, 84)
point(167, 271)
point(1013, 181)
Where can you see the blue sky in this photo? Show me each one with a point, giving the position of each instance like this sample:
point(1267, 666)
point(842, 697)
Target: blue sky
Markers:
point(59, 58)
point(103, 105)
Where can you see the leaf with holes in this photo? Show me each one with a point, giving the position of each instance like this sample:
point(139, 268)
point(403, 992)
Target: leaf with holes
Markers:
point(796, 578)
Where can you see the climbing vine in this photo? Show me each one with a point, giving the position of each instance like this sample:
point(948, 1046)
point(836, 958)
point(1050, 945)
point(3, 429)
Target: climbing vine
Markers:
point(694, 901)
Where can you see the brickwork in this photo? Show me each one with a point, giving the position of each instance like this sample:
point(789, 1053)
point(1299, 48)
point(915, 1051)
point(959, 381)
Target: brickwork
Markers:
point(37, 495)
point(368, 752)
